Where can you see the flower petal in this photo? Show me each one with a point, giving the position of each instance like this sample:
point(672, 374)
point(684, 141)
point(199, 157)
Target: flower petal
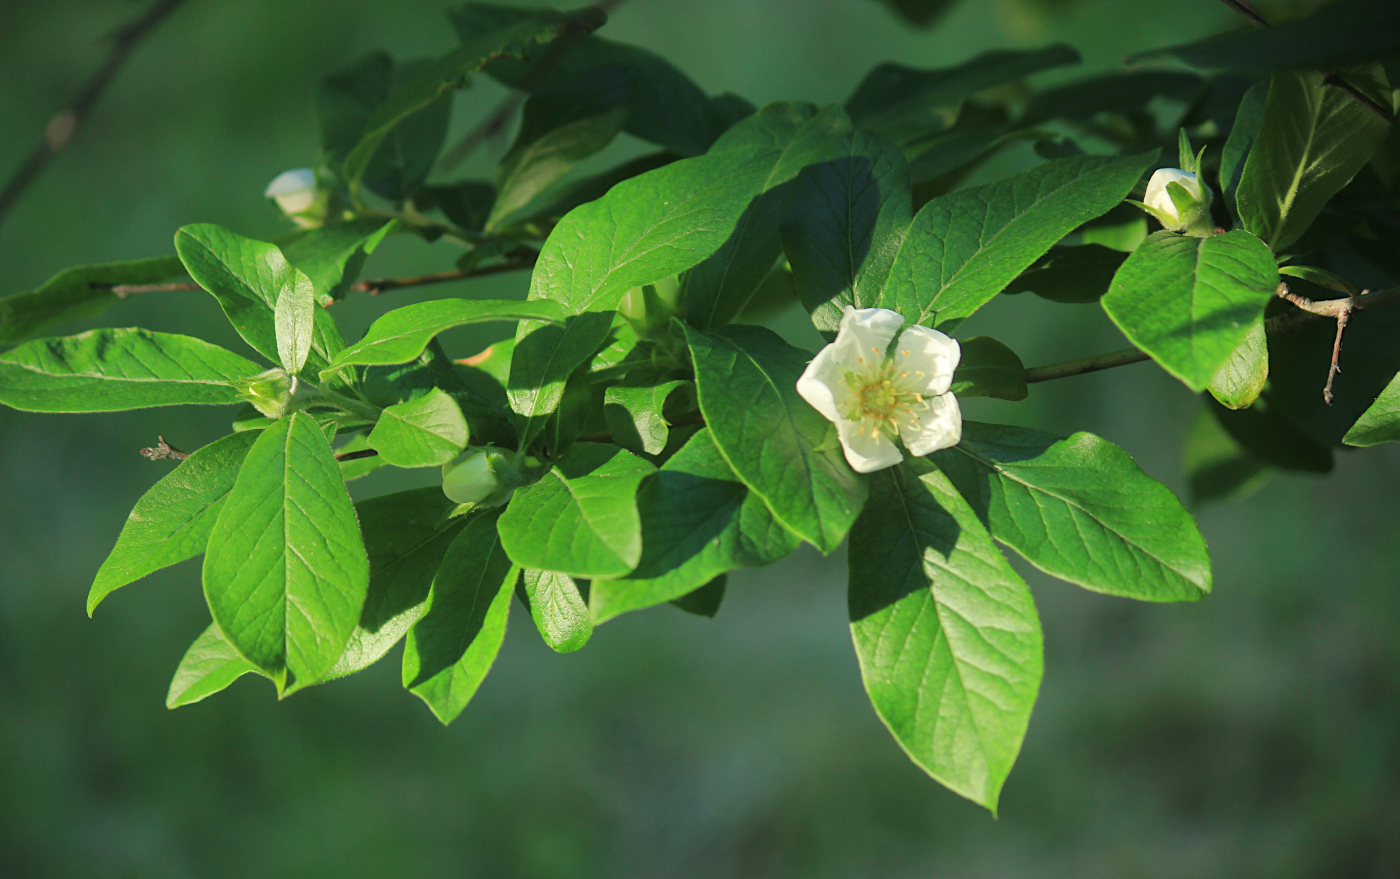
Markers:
point(938, 427)
point(864, 335)
point(866, 453)
point(922, 350)
point(823, 384)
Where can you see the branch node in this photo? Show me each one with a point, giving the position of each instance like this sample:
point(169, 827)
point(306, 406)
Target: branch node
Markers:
point(163, 451)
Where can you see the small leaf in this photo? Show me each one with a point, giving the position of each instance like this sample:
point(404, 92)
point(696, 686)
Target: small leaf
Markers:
point(285, 573)
point(1190, 302)
point(426, 431)
point(705, 601)
point(401, 335)
point(246, 277)
point(332, 255)
point(1241, 378)
point(1080, 509)
point(108, 370)
point(777, 444)
point(82, 291)
point(559, 610)
point(635, 411)
point(581, 518)
point(698, 523)
point(946, 633)
point(453, 645)
point(1380, 423)
point(210, 665)
point(172, 521)
point(1312, 141)
point(1070, 274)
point(964, 248)
point(988, 368)
point(1243, 133)
point(294, 315)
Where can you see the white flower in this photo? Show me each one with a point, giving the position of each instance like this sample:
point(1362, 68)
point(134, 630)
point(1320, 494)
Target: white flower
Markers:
point(874, 395)
point(470, 481)
point(294, 191)
point(1160, 201)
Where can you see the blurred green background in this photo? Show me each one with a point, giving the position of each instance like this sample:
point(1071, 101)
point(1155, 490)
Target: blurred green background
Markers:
point(1256, 733)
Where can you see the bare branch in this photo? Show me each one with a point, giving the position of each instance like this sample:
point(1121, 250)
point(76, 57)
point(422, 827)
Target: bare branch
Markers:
point(67, 121)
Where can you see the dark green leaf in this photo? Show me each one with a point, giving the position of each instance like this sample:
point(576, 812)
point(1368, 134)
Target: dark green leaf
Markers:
point(285, 573)
point(989, 369)
point(1380, 423)
point(581, 518)
point(453, 645)
point(1070, 274)
point(698, 522)
point(778, 445)
point(402, 334)
point(1217, 467)
point(466, 204)
point(1312, 141)
point(172, 521)
point(1080, 509)
point(1240, 379)
point(82, 291)
point(946, 633)
point(558, 608)
point(426, 431)
point(246, 277)
point(405, 538)
point(1271, 439)
point(645, 229)
point(210, 665)
point(635, 413)
point(108, 370)
point(793, 136)
point(1190, 302)
point(920, 13)
point(843, 225)
point(705, 601)
point(965, 247)
point(332, 255)
point(1248, 120)
point(1126, 93)
point(1348, 32)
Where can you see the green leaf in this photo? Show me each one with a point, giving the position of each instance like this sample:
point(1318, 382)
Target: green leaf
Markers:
point(558, 608)
point(705, 601)
point(965, 247)
point(246, 277)
point(402, 335)
point(82, 291)
point(778, 445)
point(946, 633)
point(172, 521)
point(1268, 437)
point(843, 225)
point(1070, 274)
point(1312, 141)
point(210, 665)
point(356, 468)
point(920, 13)
point(635, 411)
point(1249, 119)
point(451, 648)
point(698, 522)
point(581, 518)
point(1190, 302)
point(294, 316)
point(405, 539)
point(1380, 423)
point(426, 83)
point(645, 229)
point(426, 431)
point(1241, 378)
point(1218, 468)
point(1080, 509)
point(285, 573)
point(1126, 93)
point(332, 255)
point(793, 136)
point(109, 370)
point(559, 128)
point(1347, 32)
point(988, 368)
point(903, 102)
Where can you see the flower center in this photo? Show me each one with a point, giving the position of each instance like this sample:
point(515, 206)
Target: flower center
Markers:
point(880, 399)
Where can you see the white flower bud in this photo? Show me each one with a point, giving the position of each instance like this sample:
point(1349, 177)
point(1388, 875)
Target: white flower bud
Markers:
point(471, 480)
point(1159, 199)
point(294, 191)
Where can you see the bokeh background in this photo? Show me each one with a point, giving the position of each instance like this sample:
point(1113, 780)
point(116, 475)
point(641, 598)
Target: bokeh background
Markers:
point(1256, 733)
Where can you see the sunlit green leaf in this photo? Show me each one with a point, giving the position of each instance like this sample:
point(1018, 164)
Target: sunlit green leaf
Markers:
point(82, 291)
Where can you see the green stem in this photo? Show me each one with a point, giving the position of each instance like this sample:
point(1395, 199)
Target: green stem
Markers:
point(1085, 365)
point(363, 409)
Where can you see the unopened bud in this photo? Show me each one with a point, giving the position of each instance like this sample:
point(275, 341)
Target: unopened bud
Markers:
point(270, 392)
point(1180, 201)
point(296, 194)
point(470, 480)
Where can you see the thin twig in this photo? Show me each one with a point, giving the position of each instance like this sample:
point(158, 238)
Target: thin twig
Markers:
point(1329, 77)
point(1308, 310)
point(495, 123)
point(67, 121)
point(373, 287)
point(1342, 320)
point(163, 451)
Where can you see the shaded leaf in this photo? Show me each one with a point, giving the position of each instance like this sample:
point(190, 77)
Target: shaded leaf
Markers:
point(988, 368)
point(1070, 274)
point(82, 291)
